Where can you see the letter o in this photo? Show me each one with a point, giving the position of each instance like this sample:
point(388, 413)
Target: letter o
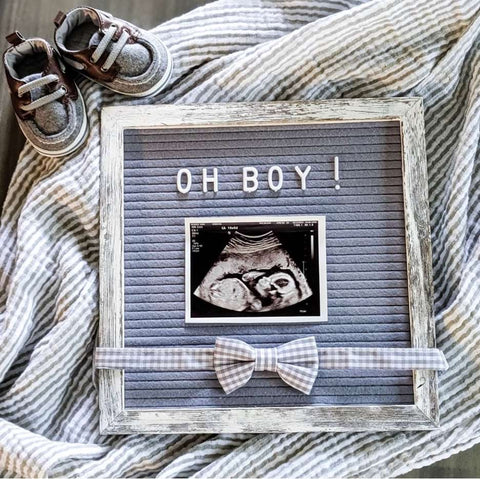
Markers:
point(279, 172)
point(184, 189)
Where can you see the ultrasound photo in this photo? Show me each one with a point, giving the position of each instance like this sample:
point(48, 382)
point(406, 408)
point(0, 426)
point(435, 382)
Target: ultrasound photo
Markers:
point(255, 270)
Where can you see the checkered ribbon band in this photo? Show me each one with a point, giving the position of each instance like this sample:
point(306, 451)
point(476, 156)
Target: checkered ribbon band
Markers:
point(160, 359)
point(295, 362)
point(382, 358)
point(234, 361)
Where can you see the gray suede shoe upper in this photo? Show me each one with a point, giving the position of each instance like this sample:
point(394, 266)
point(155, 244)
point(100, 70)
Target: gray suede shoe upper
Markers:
point(47, 103)
point(113, 52)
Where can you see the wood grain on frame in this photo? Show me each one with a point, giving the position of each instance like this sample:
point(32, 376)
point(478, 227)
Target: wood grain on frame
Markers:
point(115, 419)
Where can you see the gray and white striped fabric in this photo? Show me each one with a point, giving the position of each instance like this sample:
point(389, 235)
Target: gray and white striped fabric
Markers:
point(232, 51)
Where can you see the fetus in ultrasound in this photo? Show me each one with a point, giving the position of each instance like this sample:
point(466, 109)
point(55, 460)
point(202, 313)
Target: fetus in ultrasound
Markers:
point(254, 274)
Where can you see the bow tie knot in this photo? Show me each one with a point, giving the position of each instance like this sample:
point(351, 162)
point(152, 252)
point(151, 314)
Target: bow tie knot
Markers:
point(295, 362)
point(266, 359)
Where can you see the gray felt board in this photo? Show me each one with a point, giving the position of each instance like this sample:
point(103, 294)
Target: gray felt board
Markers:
point(366, 259)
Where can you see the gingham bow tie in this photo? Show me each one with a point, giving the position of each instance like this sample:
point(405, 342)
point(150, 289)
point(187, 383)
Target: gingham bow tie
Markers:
point(295, 362)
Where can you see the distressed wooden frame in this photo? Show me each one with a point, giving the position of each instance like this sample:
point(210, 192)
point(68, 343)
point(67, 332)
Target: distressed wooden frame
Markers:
point(423, 414)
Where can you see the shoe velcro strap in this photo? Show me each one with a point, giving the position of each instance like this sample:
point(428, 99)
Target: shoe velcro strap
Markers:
point(15, 38)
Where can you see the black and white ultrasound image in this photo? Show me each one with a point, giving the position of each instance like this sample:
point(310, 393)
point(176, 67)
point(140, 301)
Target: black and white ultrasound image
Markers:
point(256, 268)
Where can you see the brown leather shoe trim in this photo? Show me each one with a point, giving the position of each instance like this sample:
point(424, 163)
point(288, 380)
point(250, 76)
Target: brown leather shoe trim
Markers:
point(59, 18)
point(15, 38)
point(17, 102)
point(93, 70)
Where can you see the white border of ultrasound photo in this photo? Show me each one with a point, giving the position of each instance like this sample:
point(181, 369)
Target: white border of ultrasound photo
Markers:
point(264, 319)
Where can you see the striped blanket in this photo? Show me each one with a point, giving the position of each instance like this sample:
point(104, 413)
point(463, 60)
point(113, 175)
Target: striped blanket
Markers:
point(244, 51)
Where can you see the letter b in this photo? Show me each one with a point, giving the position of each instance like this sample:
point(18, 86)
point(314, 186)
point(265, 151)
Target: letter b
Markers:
point(250, 179)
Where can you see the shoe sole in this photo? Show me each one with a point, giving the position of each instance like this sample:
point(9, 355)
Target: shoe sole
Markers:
point(74, 146)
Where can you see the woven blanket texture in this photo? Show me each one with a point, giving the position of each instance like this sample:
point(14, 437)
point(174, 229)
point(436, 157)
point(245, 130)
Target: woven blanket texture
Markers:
point(244, 51)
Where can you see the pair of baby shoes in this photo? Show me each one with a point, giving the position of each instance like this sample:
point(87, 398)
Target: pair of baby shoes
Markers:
point(48, 105)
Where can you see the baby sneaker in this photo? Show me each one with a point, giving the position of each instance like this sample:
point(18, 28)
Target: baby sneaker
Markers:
point(112, 52)
point(47, 104)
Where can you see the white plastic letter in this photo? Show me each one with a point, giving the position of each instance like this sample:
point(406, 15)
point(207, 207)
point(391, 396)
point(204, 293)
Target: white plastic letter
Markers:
point(250, 179)
point(184, 189)
point(303, 175)
point(270, 178)
point(336, 165)
point(210, 179)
